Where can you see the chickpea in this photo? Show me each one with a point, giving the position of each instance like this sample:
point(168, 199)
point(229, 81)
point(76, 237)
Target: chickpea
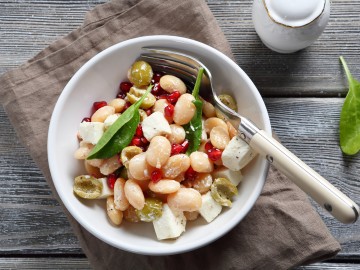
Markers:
point(219, 137)
point(110, 165)
point(116, 216)
point(101, 114)
point(134, 194)
point(177, 134)
point(212, 122)
point(202, 182)
point(171, 83)
point(138, 167)
point(120, 200)
point(200, 162)
point(176, 165)
point(118, 104)
point(184, 109)
point(185, 199)
point(158, 152)
point(164, 186)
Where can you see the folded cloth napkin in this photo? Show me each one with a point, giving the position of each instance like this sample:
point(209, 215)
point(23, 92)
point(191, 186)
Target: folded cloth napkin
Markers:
point(281, 231)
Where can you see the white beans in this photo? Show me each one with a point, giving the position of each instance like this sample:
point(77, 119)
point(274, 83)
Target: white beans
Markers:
point(208, 109)
point(158, 152)
point(118, 104)
point(184, 109)
point(212, 122)
point(177, 134)
point(110, 165)
point(185, 199)
point(101, 114)
point(116, 216)
point(219, 137)
point(191, 215)
point(202, 182)
point(200, 162)
point(82, 152)
point(139, 168)
point(176, 165)
point(171, 83)
point(91, 170)
point(160, 105)
point(164, 186)
point(134, 194)
point(120, 200)
point(232, 130)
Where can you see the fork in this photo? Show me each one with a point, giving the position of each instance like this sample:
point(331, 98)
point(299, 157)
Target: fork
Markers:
point(325, 194)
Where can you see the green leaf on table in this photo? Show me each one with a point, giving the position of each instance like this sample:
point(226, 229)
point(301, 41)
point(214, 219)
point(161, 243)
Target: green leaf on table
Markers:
point(193, 129)
point(119, 134)
point(350, 116)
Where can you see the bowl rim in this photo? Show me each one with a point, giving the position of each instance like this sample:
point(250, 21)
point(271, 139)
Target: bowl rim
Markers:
point(169, 249)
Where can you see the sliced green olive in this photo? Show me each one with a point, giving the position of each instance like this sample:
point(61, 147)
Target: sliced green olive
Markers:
point(128, 153)
point(87, 187)
point(136, 93)
point(223, 190)
point(229, 101)
point(141, 73)
point(152, 210)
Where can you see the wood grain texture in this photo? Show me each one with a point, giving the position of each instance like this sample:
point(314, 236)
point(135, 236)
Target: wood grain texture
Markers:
point(307, 126)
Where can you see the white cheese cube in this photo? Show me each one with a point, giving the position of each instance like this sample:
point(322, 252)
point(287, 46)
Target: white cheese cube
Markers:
point(155, 125)
point(110, 120)
point(91, 132)
point(210, 209)
point(106, 191)
point(234, 177)
point(171, 224)
point(237, 154)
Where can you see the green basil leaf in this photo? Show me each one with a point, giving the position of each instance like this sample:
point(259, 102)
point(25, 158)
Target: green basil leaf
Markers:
point(193, 129)
point(112, 139)
point(350, 116)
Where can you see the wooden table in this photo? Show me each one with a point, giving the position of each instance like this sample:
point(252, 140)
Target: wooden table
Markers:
point(303, 92)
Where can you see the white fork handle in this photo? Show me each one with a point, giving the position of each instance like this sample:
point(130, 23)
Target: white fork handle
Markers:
point(324, 193)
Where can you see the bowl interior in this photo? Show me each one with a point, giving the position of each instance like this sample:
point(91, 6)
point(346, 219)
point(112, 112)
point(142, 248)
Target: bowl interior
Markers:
point(98, 80)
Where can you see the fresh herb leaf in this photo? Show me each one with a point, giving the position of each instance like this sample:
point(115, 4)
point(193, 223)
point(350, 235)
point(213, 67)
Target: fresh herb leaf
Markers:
point(350, 116)
point(120, 133)
point(193, 129)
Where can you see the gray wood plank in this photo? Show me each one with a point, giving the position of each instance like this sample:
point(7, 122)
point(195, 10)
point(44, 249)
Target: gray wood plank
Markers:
point(29, 26)
point(83, 264)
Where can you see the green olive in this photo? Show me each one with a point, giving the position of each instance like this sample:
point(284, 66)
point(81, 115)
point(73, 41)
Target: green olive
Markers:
point(136, 93)
point(152, 210)
point(87, 187)
point(141, 73)
point(229, 101)
point(128, 153)
point(222, 191)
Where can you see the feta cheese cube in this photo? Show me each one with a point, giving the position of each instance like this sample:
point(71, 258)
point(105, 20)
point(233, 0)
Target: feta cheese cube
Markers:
point(155, 125)
point(233, 176)
point(210, 209)
point(171, 224)
point(110, 120)
point(237, 154)
point(106, 191)
point(91, 132)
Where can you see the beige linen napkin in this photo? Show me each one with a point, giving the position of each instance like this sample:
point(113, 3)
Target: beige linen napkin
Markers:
point(281, 231)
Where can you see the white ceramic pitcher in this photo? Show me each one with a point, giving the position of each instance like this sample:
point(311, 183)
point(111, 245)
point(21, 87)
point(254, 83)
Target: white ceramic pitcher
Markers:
point(287, 26)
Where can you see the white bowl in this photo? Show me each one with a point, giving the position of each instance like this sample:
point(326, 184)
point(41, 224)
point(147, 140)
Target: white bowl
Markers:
point(99, 79)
